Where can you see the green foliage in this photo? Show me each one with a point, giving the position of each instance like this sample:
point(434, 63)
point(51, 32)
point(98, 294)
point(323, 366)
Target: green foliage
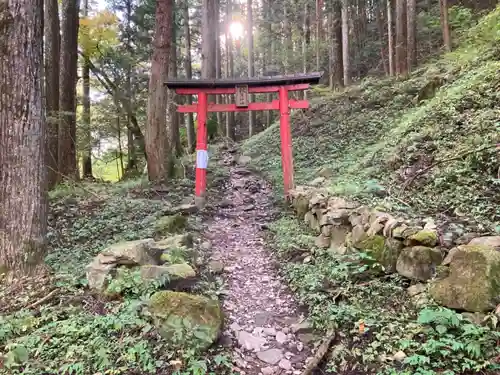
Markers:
point(428, 137)
point(129, 282)
point(108, 166)
point(341, 291)
point(82, 334)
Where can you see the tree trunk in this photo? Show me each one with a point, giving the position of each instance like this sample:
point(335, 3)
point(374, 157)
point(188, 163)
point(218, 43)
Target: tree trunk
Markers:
point(445, 25)
point(208, 44)
point(319, 32)
point(230, 131)
point(411, 27)
point(23, 187)
point(120, 172)
point(288, 35)
point(188, 117)
point(173, 136)
point(337, 55)
point(270, 51)
point(400, 38)
point(251, 72)
point(87, 140)
point(306, 39)
point(345, 42)
point(390, 38)
point(218, 68)
point(67, 87)
point(52, 55)
point(380, 20)
point(131, 154)
point(156, 140)
point(208, 38)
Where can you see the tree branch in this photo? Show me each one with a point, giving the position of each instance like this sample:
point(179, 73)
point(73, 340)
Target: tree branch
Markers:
point(113, 90)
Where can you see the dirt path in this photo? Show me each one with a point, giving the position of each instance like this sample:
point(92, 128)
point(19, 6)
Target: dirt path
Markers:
point(262, 317)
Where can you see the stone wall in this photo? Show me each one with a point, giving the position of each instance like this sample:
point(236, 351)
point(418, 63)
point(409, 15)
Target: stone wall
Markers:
point(461, 268)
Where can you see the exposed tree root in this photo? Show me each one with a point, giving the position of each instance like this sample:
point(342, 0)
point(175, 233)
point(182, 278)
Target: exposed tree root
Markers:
point(320, 354)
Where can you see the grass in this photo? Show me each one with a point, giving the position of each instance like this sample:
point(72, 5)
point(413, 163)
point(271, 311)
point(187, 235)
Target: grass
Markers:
point(55, 325)
point(374, 317)
point(426, 142)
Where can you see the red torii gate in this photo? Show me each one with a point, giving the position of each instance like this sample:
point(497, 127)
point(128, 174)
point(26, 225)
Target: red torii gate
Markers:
point(241, 88)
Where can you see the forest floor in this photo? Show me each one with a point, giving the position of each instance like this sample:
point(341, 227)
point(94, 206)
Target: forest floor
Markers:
point(273, 277)
point(56, 325)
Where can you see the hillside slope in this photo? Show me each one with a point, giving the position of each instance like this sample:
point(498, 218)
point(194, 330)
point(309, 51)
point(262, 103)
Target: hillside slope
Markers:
point(425, 143)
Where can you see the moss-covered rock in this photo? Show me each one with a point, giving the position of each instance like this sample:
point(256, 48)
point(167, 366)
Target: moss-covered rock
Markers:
point(312, 221)
point(300, 203)
point(424, 237)
point(179, 240)
point(373, 243)
point(170, 224)
point(384, 250)
point(130, 253)
point(389, 254)
point(418, 262)
point(127, 253)
point(326, 172)
point(172, 272)
point(473, 283)
point(357, 237)
point(186, 320)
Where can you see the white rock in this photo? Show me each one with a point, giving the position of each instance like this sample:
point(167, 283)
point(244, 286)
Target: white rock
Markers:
point(399, 356)
point(258, 331)
point(267, 370)
point(235, 327)
point(271, 356)
point(281, 337)
point(270, 331)
point(285, 364)
point(250, 342)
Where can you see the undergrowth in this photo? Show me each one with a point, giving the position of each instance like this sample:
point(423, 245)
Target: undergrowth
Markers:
point(374, 317)
point(54, 325)
point(427, 142)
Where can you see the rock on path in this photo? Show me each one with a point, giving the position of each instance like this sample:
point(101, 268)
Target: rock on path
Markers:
point(259, 308)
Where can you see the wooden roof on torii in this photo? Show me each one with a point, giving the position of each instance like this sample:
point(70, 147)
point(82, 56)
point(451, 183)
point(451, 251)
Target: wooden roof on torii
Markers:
point(281, 80)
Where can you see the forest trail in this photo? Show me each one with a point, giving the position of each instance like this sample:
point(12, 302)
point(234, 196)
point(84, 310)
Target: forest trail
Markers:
point(262, 317)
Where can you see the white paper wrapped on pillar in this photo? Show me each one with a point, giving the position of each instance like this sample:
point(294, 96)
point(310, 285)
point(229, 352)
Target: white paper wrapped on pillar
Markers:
point(201, 159)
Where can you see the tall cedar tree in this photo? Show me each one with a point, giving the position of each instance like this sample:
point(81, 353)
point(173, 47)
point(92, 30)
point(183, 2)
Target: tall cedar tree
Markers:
point(445, 25)
point(208, 29)
point(230, 131)
point(400, 37)
point(87, 141)
point(23, 187)
point(390, 38)
point(67, 87)
point(156, 137)
point(411, 27)
point(251, 71)
point(52, 48)
point(345, 42)
point(173, 127)
point(188, 117)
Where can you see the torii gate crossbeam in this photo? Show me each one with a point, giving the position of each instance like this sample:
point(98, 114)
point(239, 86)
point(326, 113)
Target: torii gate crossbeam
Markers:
point(241, 88)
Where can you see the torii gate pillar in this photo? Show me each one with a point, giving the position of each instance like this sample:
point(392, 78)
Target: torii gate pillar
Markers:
point(279, 84)
point(286, 140)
